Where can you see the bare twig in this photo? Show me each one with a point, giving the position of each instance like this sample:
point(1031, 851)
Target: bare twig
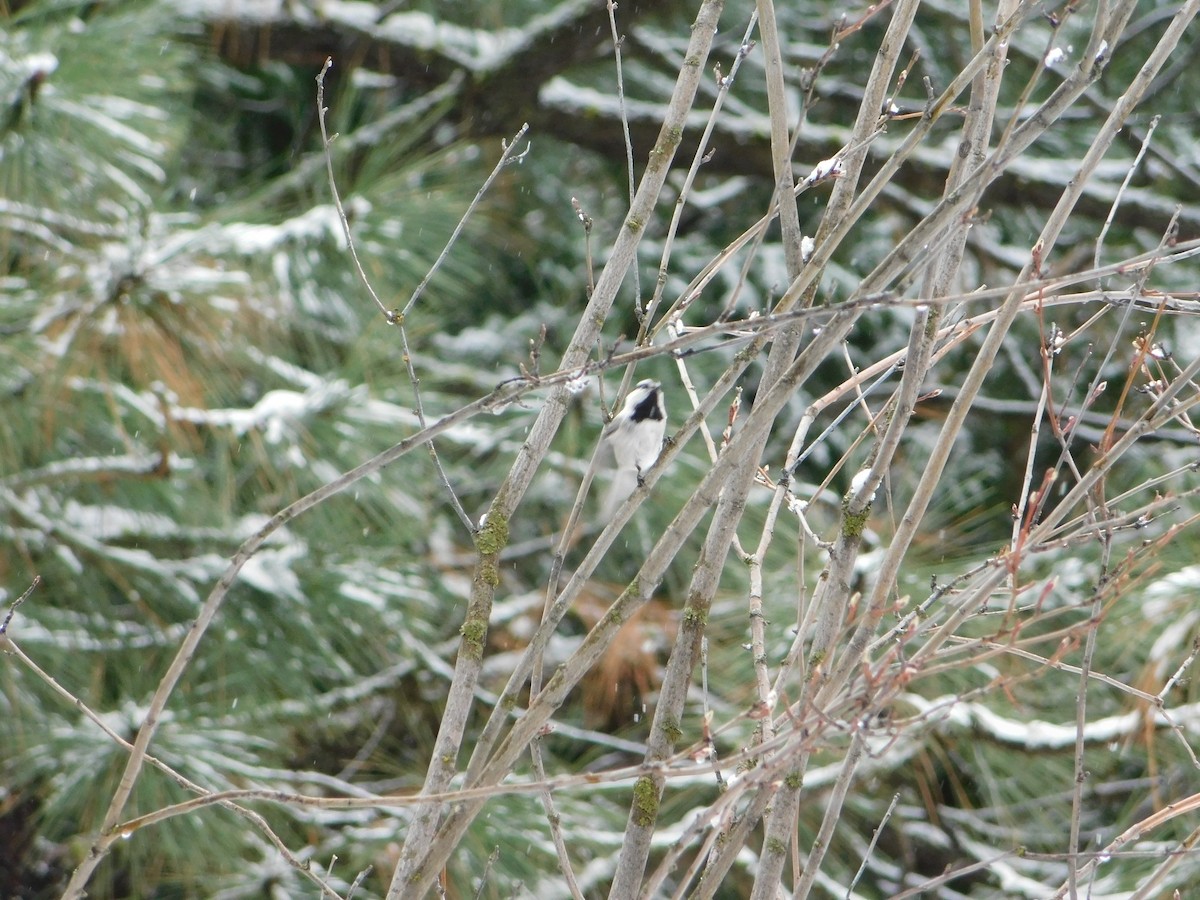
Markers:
point(392, 317)
point(326, 140)
point(871, 847)
point(508, 156)
point(1133, 167)
point(12, 607)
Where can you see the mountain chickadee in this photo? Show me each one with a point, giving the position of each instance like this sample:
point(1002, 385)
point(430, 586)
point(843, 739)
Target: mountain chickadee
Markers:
point(636, 437)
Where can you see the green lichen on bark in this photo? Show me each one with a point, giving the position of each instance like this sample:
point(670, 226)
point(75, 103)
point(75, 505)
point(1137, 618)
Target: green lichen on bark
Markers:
point(645, 802)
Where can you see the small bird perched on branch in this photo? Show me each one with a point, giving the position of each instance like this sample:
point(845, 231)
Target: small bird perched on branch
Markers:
point(636, 437)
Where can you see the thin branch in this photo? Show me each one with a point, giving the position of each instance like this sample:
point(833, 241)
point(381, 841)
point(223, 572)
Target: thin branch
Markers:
point(12, 607)
point(507, 158)
point(554, 820)
point(1133, 167)
point(618, 40)
point(1081, 721)
point(326, 140)
point(392, 317)
point(871, 847)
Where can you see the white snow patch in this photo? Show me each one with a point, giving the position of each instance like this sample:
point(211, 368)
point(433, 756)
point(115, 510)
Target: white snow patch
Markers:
point(473, 47)
point(41, 64)
point(107, 523)
point(354, 13)
point(276, 414)
point(270, 571)
point(826, 168)
point(859, 481)
point(361, 594)
point(807, 246)
point(316, 224)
